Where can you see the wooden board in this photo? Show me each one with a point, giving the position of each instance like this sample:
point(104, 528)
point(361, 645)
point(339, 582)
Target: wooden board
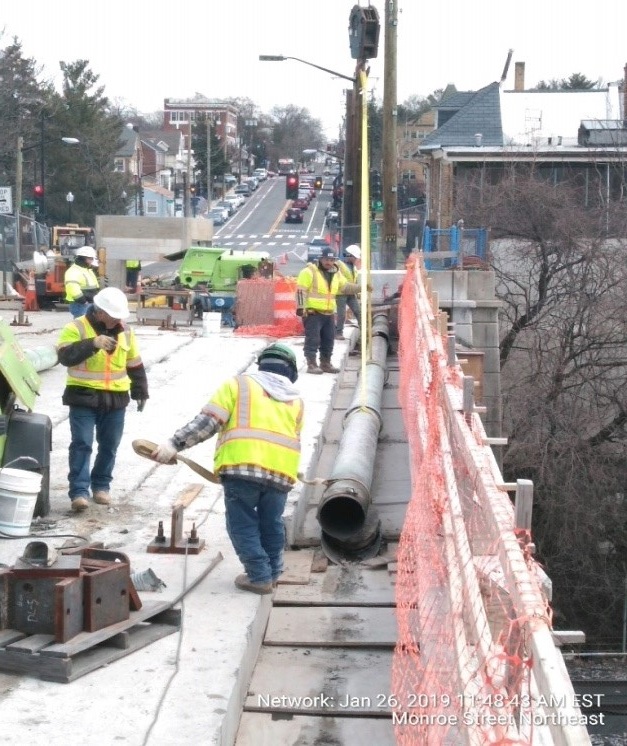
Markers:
point(297, 567)
point(39, 656)
point(337, 626)
point(257, 729)
point(352, 681)
point(352, 585)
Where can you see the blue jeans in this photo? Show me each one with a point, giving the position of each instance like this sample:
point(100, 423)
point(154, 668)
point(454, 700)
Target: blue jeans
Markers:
point(77, 309)
point(108, 427)
point(254, 523)
point(319, 335)
point(341, 302)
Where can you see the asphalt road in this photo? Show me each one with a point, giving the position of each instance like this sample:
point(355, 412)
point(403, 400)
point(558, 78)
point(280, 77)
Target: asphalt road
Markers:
point(259, 225)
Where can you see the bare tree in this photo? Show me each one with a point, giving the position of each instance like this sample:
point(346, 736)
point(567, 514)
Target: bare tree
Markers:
point(563, 283)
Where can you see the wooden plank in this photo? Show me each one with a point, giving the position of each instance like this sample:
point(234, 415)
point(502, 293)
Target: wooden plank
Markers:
point(355, 682)
point(297, 567)
point(344, 626)
point(86, 640)
point(187, 496)
point(339, 586)
point(102, 655)
point(31, 644)
point(7, 636)
point(260, 729)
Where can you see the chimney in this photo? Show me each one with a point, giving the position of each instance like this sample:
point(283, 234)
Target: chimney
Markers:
point(519, 76)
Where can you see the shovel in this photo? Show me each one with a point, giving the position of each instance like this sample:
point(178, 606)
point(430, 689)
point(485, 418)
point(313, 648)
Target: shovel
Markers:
point(146, 447)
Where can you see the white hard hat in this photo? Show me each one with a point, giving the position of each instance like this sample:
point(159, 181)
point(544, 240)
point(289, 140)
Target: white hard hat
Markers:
point(112, 301)
point(353, 250)
point(87, 251)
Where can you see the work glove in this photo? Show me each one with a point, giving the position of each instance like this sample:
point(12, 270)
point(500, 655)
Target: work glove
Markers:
point(165, 453)
point(102, 342)
point(141, 403)
point(300, 312)
point(82, 300)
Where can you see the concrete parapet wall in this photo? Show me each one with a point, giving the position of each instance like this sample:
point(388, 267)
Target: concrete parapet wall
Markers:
point(147, 239)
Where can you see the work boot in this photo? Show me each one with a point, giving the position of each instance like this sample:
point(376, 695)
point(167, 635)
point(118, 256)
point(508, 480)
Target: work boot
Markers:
point(101, 497)
point(79, 504)
point(312, 366)
point(244, 584)
point(327, 367)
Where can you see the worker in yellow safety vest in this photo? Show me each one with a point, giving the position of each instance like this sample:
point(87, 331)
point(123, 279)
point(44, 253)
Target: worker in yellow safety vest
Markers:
point(258, 416)
point(348, 268)
point(317, 288)
point(104, 371)
point(81, 282)
point(133, 268)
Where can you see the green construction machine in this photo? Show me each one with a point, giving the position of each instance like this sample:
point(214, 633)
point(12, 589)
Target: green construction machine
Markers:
point(25, 436)
point(214, 272)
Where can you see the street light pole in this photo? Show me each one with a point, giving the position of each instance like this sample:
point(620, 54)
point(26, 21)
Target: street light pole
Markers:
point(21, 148)
point(69, 197)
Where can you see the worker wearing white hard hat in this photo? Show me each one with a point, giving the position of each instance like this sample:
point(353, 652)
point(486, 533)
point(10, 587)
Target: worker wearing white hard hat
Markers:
point(104, 372)
point(348, 267)
point(81, 282)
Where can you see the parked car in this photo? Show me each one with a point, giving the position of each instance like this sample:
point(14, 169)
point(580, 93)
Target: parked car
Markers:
point(333, 218)
point(243, 189)
point(228, 205)
point(260, 174)
point(301, 204)
point(293, 215)
point(252, 183)
point(217, 215)
point(237, 200)
point(314, 248)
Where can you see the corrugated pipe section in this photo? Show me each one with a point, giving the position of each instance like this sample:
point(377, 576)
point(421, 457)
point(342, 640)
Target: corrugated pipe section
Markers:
point(350, 526)
point(43, 357)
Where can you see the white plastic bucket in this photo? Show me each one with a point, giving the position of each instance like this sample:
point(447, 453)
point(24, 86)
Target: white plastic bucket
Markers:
point(211, 323)
point(18, 497)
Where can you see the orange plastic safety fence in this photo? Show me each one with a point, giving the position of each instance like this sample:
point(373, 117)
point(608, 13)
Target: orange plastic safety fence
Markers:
point(469, 605)
point(261, 299)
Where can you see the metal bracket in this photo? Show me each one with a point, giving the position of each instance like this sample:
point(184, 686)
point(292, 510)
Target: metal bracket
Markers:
point(21, 319)
point(177, 543)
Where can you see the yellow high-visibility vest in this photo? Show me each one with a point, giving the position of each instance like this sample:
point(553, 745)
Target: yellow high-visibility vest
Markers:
point(104, 371)
point(349, 271)
point(77, 279)
point(259, 430)
point(319, 295)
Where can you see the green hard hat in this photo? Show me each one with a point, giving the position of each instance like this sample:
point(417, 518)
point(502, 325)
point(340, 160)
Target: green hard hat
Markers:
point(279, 351)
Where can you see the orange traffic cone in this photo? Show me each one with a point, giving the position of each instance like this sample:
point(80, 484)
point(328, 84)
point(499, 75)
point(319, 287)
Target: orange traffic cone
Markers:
point(30, 299)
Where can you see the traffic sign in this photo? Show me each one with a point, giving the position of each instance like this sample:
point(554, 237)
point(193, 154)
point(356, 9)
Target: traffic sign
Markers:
point(29, 203)
point(6, 201)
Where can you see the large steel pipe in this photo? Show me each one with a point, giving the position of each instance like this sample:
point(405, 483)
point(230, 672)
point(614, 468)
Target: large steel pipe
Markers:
point(344, 510)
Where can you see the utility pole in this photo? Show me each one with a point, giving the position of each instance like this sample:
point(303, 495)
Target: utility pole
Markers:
point(18, 199)
point(209, 190)
point(188, 181)
point(390, 166)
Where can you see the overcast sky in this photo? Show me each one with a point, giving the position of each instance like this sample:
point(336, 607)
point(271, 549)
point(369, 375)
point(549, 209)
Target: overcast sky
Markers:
point(148, 50)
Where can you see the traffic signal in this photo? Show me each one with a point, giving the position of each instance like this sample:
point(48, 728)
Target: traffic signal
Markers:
point(38, 196)
point(375, 186)
point(318, 182)
point(291, 186)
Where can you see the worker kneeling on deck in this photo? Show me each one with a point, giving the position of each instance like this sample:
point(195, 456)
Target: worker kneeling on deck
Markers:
point(259, 419)
point(81, 282)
